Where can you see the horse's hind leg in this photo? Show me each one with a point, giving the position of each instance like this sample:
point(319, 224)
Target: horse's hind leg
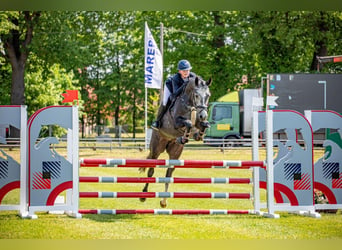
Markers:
point(150, 173)
point(169, 172)
point(157, 146)
point(174, 150)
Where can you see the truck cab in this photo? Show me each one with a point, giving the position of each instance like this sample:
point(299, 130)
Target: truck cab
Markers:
point(230, 117)
point(224, 121)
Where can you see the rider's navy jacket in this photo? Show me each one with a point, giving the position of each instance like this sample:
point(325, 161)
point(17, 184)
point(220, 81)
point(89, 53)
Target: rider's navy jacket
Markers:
point(173, 83)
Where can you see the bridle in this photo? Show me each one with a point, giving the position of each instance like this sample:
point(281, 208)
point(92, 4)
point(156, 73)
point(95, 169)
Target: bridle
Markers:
point(199, 107)
point(191, 105)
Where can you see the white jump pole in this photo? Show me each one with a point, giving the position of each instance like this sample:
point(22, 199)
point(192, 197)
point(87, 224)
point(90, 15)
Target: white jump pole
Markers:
point(255, 157)
point(270, 166)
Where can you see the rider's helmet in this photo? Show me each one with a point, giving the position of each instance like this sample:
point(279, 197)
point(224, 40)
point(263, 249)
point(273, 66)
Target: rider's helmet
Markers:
point(184, 65)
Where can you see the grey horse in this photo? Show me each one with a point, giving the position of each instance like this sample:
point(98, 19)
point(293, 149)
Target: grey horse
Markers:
point(187, 115)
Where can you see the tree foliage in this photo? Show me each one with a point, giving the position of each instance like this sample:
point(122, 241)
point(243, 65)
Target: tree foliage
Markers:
point(291, 41)
point(16, 37)
point(102, 54)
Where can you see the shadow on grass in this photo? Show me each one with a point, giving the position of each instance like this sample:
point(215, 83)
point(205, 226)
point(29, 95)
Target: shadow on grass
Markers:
point(123, 217)
point(111, 217)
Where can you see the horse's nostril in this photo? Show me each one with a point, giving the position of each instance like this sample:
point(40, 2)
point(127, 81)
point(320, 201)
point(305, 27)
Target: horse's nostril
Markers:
point(202, 116)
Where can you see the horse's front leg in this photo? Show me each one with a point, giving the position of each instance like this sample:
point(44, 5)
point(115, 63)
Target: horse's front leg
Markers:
point(180, 123)
point(198, 136)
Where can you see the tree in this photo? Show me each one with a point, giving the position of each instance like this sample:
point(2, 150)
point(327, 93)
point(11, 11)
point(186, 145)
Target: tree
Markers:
point(70, 40)
point(109, 76)
point(290, 41)
point(102, 53)
point(5, 81)
point(16, 44)
point(56, 81)
point(327, 30)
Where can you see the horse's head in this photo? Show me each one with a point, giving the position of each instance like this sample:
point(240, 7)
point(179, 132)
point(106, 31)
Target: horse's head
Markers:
point(198, 93)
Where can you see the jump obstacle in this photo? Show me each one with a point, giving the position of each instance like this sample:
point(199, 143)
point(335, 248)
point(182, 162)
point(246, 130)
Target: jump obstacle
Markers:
point(12, 173)
point(164, 164)
point(290, 178)
point(159, 163)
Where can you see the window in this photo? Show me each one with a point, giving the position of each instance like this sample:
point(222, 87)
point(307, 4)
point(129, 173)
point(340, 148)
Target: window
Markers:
point(221, 112)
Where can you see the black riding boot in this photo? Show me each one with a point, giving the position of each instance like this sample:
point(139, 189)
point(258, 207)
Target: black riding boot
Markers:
point(157, 123)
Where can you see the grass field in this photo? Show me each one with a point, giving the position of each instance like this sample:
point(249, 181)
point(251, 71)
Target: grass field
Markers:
point(49, 226)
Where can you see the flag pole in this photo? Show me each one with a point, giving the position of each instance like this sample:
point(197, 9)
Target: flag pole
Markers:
point(161, 92)
point(145, 118)
point(145, 102)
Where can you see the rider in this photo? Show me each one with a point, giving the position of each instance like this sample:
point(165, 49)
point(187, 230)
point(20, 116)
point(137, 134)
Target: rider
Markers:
point(173, 88)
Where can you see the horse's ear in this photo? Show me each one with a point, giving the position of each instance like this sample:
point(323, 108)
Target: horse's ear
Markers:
point(209, 82)
point(196, 81)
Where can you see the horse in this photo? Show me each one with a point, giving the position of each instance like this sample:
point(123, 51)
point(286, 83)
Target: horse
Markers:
point(187, 115)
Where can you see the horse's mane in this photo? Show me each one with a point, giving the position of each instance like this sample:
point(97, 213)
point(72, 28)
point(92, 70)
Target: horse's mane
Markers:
point(191, 84)
point(193, 79)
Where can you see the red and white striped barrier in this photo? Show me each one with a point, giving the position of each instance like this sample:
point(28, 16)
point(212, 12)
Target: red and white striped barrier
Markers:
point(160, 163)
point(175, 180)
point(164, 211)
point(208, 195)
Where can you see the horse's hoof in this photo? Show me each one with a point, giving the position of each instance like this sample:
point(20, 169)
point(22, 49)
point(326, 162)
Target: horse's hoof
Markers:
point(142, 199)
point(198, 137)
point(142, 170)
point(181, 140)
point(205, 124)
point(163, 204)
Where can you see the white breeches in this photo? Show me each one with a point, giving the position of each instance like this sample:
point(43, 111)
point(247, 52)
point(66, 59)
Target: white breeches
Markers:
point(167, 94)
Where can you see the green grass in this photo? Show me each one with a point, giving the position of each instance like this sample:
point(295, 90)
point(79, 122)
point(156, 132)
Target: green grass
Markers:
point(48, 226)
